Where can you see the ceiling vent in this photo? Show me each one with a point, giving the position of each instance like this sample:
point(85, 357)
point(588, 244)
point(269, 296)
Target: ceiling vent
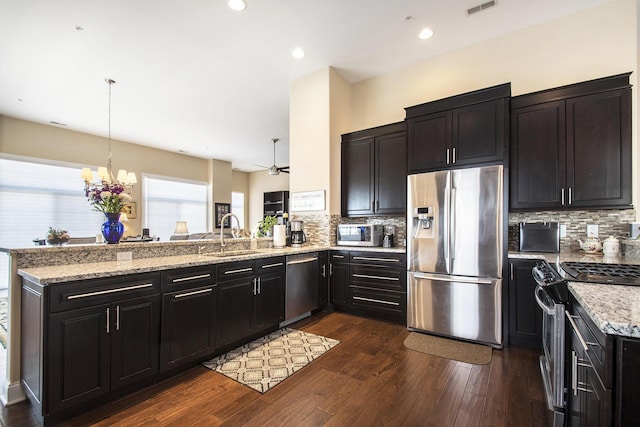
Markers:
point(480, 7)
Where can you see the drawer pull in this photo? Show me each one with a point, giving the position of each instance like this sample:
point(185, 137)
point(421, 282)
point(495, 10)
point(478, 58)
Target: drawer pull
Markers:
point(577, 332)
point(110, 291)
point(366, 276)
point(277, 264)
point(364, 258)
point(184, 279)
point(188, 294)
point(376, 300)
point(242, 270)
point(338, 256)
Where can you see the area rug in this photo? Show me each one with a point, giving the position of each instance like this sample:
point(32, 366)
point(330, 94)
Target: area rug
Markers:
point(462, 351)
point(265, 362)
point(3, 322)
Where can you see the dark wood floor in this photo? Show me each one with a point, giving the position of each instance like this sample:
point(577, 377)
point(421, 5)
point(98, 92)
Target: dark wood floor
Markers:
point(370, 379)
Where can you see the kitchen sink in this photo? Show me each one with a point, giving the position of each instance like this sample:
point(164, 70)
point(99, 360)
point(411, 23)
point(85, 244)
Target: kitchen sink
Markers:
point(231, 253)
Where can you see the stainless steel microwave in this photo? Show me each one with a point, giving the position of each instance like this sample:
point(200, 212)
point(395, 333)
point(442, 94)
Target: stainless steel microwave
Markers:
point(360, 234)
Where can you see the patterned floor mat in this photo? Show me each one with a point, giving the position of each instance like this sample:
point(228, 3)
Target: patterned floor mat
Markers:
point(263, 363)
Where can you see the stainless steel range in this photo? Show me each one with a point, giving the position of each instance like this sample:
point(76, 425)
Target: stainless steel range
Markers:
point(551, 295)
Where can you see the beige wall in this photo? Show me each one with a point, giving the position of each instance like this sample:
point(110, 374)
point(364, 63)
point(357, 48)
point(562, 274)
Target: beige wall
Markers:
point(259, 183)
point(240, 184)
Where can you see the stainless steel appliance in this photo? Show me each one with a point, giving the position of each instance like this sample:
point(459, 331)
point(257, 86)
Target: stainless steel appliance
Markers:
point(298, 238)
point(455, 253)
point(552, 296)
point(301, 293)
point(360, 234)
point(539, 237)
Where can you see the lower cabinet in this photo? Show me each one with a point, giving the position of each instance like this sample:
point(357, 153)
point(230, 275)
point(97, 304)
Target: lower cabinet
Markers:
point(188, 316)
point(323, 279)
point(95, 346)
point(525, 316)
point(370, 283)
point(251, 298)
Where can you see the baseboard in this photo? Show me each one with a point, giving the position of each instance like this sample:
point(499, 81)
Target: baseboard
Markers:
point(12, 393)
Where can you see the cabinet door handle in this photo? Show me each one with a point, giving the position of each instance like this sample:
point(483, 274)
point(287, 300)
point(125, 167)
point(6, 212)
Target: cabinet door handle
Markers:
point(453, 156)
point(574, 373)
point(241, 270)
point(185, 279)
point(110, 291)
point(447, 156)
point(367, 276)
point(570, 201)
point(324, 270)
point(364, 258)
point(188, 294)
point(330, 269)
point(562, 196)
point(255, 282)
point(108, 320)
point(377, 205)
point(117, 317)
point(511, 271)
point(259, 285)
point(377, 300)
point(277, 264)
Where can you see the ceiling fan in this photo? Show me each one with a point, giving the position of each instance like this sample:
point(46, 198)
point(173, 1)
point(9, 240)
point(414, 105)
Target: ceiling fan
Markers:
point(273, 169)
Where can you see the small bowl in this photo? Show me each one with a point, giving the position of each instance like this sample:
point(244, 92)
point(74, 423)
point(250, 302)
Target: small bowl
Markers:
point(58, 241)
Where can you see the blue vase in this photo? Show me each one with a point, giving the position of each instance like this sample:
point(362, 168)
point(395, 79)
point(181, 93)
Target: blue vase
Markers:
point(112, 228)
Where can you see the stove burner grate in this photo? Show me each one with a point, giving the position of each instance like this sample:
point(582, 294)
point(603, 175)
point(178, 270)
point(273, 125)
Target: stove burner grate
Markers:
point(624, 274)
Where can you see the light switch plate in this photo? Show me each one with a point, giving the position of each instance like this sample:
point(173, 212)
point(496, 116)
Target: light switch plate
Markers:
point(592, 230)
point(124, 256)
point(563, 230)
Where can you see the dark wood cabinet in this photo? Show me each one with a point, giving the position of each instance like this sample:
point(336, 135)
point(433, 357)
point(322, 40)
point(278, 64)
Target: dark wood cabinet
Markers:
point(571, 147)
point(374, 171)
point(275, 203)
point(463, 130)
point(323, 279)
point(251, 298)
point(188, 316)
point(525, 316)
point(339, 278)
point(96, 348)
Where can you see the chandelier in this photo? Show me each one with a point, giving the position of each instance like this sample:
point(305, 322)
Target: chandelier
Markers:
point(104, 175)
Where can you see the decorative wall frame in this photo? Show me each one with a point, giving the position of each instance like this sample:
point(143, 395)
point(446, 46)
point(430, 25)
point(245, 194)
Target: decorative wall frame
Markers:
point(130, 209)
point(307, 201)
point(220, 210)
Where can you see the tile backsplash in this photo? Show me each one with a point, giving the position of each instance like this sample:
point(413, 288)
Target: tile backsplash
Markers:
point(610, 223)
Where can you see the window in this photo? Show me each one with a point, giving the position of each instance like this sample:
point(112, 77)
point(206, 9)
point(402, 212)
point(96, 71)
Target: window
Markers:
point(168, 200)
point(35, 196)
point(237, 207)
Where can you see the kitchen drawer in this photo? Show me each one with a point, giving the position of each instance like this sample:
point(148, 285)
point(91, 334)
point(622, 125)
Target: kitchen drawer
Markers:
point(233, 270)
point(600, 346)
point(186, 278)
point(264, 265)
point(389, 259)
point(86, 293)
point(378, 277)
point(393, 303)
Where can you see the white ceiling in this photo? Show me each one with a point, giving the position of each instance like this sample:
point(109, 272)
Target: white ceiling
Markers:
point(196, 76)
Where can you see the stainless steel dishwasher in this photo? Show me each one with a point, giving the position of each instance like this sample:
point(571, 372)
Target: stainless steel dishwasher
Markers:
point(301, 294)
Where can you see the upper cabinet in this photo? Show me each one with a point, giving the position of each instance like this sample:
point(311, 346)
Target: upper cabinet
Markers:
point(462, 130)
point(571, 146)
point(374, 171)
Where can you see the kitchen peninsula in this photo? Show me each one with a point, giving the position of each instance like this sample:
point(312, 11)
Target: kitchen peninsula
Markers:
point(92, 331)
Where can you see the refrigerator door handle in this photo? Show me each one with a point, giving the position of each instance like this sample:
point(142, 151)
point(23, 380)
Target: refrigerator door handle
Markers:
point(454, 226)
point(456, 279)
point(447, 226)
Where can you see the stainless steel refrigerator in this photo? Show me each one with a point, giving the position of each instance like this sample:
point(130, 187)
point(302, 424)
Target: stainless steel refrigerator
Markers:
point(455, 253)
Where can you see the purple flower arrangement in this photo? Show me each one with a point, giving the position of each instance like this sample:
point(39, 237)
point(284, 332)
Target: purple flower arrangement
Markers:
point(107, 198)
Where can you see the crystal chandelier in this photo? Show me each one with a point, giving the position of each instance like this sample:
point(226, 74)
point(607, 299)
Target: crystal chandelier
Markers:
point(105, 175)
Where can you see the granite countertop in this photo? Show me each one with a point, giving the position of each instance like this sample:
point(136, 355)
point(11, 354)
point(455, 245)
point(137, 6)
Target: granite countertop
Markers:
point(615, 309)
point(579, 256)
point(85, 271)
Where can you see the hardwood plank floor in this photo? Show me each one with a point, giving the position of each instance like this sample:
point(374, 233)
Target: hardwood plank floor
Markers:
point(369, 379)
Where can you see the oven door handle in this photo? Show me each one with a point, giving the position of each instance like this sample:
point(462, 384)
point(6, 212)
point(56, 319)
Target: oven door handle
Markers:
point(547, 310)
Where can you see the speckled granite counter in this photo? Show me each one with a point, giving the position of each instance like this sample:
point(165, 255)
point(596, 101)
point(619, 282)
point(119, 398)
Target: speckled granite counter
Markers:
point(84, 271)
point(557, 258)
point(615, 309)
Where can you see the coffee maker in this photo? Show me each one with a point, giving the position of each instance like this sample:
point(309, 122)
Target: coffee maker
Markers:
point(298, 238)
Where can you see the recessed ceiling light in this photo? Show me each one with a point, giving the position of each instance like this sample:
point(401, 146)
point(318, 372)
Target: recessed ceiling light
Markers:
point(425, 33)
point(237, 5)
point(298, 53)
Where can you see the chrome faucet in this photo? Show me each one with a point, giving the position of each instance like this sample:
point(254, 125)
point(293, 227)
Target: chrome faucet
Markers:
point(222, 243)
